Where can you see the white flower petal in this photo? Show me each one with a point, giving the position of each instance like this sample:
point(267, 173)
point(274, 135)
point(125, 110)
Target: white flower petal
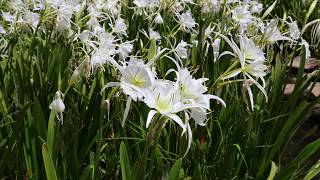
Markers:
point(126, 111)
point(178, 120)
point(150, 116)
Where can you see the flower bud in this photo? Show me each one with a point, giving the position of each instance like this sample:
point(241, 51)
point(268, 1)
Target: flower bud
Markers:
point(57, 104)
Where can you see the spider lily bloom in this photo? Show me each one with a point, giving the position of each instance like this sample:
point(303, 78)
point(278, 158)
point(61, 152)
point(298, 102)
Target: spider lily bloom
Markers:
point(249, 50)
point(192, 92)
point(186, 21)
point(210, 6)
point(294, 30)
point(164, 98)
point(105, 51)
point(271, 33)
point(64, 15)
point(119, 27)
point(181, 50)
point(145, 5)
point(136, 78)
point(31, 18)
point(242, 15)
point(252, 64)
point(256, 7)
point(158, 19)
point(58, 106)
point(124, 49)
point(153, 35)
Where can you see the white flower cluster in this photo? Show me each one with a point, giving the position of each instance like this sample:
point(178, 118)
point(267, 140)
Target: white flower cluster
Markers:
point(102, 29)
point(186, 95)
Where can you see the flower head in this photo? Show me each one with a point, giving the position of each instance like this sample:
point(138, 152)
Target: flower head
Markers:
point(58, 106)
point(186, 21)
point(242, 15)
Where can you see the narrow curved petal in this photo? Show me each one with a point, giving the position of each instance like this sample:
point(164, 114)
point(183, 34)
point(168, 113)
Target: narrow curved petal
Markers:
point(110, 84)
point(260, 87)
point(150, 116)
point(232, 74)
point(189, 134)
point(217, 98)
point(126, 111)
point(226, 53)
point(196, 105)
point(250, 96)
point(178, 120)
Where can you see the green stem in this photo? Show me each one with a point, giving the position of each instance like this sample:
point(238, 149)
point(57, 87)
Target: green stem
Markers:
point(225, 73)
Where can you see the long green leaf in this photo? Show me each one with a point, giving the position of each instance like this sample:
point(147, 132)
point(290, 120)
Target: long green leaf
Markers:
point(313, 171)
point(273, 171)
point(48, 163)
point(311, 9)
point(124, 162)
point(50, 135)
point(175, 170)
point(268, 11)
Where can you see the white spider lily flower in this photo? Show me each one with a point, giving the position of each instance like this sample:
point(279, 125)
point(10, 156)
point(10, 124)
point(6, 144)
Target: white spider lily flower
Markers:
point(146, 3)
point(85, 36)
point(249, 50)
point(177, 7)
point(190, 88)
point(249, 67)
point(210, 6)
point(98, 60)
point(158, 19)
point(186, 21)
point(181, 50)
point(294, 30)
point(164, 98)
point(64, 16)
point(192, 93)
point(105, 52)
point(58, 106)
point(151, 35)
point(256, 68)
point(272, 34)
point(136, 78)
point(242, 15)
point(154, 35)
point(32, 18)
point(124, 49)
point(120, 27)
point(141, 3)
point(93, 14)
point(113, 6)
point(256, 7)
point(75, 76)
point(107, 41)
point(208, 31)
point(199, 114)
